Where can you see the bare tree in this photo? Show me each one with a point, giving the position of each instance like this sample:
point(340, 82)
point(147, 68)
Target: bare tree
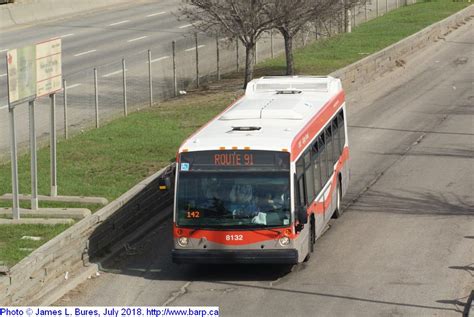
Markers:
point(242, 19)
point(290, 17)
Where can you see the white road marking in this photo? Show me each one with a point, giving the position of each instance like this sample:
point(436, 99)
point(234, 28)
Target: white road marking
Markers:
point(121, 22)
point(73, 86)
point(66, 35)
point(84, 53)
point(3, 75)
point(155, 14)
point(114, 73)
point(4, 50)
point(158, 59)
point(184, 26)
point(4, 107)
point(137, 39)
point(193, 48)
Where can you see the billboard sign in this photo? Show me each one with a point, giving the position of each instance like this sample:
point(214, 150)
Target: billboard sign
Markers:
point(21, 69)
point(48, 67)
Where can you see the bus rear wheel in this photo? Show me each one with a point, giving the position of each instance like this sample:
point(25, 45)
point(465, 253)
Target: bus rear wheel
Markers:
point(338, 212)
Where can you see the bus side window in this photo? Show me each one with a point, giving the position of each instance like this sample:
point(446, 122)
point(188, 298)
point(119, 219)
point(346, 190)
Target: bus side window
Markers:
point(329, 151)
point(322, 160)
point(300, 186)
point(308, 176)
point(316, 166)
point(335, 140)
point(342, 133)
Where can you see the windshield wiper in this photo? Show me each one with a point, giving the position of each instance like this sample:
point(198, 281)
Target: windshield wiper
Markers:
point(263, 227)
point(276, 210)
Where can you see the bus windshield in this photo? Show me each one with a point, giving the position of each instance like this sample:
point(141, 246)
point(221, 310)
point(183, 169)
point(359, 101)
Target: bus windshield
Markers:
point(233, 199)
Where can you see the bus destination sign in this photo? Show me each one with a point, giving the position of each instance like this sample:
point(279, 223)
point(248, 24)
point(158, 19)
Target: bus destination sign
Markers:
point(234, 160)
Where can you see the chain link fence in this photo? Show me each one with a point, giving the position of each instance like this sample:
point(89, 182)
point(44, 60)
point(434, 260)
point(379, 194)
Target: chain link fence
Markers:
point(94, 96)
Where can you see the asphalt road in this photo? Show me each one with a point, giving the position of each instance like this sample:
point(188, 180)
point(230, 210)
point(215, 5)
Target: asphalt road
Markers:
point(405, 245)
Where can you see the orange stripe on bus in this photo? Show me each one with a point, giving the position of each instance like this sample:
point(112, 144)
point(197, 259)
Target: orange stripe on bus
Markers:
point(301, 140)
point(318, 207)
point(232, 237)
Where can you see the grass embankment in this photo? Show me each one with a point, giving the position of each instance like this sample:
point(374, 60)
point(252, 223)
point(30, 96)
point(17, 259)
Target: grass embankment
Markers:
point(108, 161)
point(326, 56)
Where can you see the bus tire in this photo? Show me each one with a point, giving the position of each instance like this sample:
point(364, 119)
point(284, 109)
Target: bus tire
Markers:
point(338, 212)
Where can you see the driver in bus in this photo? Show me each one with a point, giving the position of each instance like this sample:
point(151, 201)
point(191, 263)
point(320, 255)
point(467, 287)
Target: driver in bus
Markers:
point(242, 201)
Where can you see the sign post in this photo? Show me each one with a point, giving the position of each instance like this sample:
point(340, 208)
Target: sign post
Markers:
point(21, 82)
point(48, 82)
point(16, 199)
point(54, 178)
point(34, 165)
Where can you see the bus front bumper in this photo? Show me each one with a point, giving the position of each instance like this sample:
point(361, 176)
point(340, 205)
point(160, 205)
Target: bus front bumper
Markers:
point(235, 256)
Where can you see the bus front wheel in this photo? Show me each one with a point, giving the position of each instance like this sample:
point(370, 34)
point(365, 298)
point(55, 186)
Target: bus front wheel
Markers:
point(311, 239)
point(338, 211)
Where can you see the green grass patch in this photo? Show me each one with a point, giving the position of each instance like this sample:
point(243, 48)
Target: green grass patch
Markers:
point(108, 161)
point(326, 56)
point(13, 248)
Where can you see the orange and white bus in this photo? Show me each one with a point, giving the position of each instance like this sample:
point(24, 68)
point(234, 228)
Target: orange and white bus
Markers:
point(259, 182)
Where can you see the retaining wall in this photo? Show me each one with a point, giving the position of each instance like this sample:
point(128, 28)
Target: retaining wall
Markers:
point(48, 270)
point(368, 68)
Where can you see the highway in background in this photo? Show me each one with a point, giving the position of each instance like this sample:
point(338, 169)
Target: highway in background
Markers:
point(99, 39)
point(102, 37)
point(405, 245)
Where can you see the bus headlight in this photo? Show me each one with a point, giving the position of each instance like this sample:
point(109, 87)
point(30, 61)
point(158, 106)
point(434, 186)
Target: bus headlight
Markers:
point(183, 241)
point(284, 241)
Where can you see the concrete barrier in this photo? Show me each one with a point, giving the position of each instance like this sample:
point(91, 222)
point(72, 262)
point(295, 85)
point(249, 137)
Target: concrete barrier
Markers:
point(39, 279)
point(34, 11)
point(368, 68)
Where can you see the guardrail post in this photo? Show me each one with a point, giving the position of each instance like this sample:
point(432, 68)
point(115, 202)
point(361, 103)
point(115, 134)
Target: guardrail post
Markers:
point(255, 54)
point(365, 12)
point(124, 81)
point(354, 17)
point(377, 8)
point(150, 78)
point(348, 21)
point(66, 135)
point(271, 43)
point(237, 53)
point(175, 80)
point(218, 70)
point(96, 90)
point(197, 59)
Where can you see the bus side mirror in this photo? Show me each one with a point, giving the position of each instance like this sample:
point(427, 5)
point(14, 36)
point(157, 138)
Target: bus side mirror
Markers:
point(302, 216)
point(165, 183)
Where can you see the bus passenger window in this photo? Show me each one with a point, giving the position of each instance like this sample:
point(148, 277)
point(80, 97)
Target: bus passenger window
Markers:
point(342, 133)
point(322, 160)
point(329, 146)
